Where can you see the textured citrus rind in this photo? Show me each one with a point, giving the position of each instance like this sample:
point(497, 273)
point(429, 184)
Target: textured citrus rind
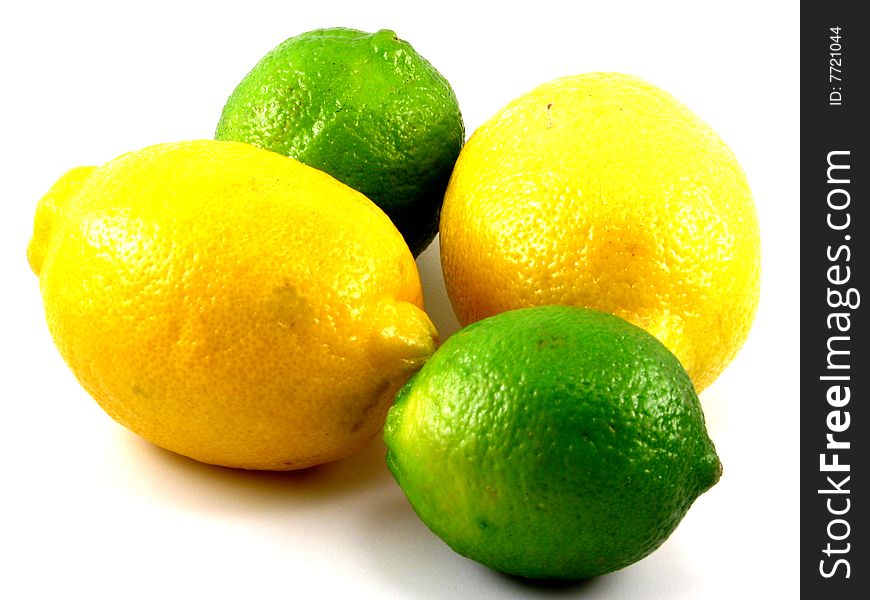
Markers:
point(602, 190)
point(551, 442)
point(231, 304)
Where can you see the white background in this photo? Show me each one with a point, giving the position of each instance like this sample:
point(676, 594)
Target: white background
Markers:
point(88, 509)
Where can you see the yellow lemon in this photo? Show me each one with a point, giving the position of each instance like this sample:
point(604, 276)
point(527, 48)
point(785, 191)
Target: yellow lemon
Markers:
point(229, 303)
point(603, 191)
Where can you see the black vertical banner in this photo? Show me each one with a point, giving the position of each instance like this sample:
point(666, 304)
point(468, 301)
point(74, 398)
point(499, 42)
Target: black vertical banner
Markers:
point(835, 300)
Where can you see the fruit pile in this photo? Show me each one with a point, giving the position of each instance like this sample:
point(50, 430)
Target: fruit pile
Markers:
point(253, 300)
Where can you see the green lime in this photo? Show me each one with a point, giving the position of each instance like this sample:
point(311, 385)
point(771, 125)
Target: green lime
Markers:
point(363, 107)
point(551, 442)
